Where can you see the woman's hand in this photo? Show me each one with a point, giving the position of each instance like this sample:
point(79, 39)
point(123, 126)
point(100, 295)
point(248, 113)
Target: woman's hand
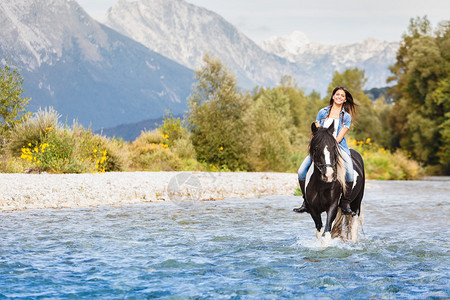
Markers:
point(341, 134)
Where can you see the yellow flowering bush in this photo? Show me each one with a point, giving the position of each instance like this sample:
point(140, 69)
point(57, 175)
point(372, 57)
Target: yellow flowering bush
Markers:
point(54, 153)
point(75, 150)
point(151, 151)
point(381, 164)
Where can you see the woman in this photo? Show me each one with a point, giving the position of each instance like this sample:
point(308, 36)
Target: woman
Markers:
point(340, 112)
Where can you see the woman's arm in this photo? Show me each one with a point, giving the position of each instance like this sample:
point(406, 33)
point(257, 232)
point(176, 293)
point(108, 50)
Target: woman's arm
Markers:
point(341, 134)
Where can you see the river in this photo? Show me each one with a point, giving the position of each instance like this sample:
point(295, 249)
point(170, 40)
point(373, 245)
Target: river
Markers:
point(233, 248)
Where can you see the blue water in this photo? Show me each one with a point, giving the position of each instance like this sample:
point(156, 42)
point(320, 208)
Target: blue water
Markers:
point(233, 248)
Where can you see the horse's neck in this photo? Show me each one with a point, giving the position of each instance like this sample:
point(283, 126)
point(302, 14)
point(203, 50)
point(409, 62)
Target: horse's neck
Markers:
point(315, 183)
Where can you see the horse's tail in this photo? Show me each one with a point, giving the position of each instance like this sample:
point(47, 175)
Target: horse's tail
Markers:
point(343, 226)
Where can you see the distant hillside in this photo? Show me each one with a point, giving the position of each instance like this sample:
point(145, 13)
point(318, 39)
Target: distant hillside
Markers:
point(130, 131)
point(376, 93)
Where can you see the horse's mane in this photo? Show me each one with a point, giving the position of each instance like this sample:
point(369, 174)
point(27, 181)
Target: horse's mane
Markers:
point(321, 138)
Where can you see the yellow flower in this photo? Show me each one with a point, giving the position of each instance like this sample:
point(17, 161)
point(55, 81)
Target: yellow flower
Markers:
point(368, 140)
point(221, 148)
point(95, 150)
point(29, 144)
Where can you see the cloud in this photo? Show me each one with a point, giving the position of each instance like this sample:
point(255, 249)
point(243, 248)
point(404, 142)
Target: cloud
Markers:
point(243, 24)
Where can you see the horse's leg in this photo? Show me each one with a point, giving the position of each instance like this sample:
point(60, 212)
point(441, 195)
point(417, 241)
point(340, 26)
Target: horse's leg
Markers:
point(318, 221)
point(331, 215)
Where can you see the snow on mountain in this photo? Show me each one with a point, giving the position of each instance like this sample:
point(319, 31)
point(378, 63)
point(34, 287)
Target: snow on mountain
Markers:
point(185, 32)
point(321, 60)
point(86, 70)
point(286, 46)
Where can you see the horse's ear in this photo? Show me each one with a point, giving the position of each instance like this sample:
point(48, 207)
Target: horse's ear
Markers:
point(313, 128)
point(331, 128)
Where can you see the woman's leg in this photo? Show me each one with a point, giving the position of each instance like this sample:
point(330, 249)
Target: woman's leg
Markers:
point(302, 171)
point(304, 168)
point(348, 165)
point(349, 177)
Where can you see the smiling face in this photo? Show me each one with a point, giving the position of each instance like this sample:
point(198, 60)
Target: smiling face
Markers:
point(339, 97)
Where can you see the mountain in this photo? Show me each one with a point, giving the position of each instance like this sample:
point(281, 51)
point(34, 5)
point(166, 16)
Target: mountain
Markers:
point(321, 60)
point(86, 70)
point(185, 32)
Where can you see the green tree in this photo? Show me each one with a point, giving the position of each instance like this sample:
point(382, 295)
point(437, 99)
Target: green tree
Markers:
point(273, 123)
point(12, 103)
point(172, 128)
point(420, 116)
point(301, 109)
point(220, 118)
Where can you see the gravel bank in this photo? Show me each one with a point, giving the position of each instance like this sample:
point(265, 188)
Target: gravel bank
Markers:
point(34, 191)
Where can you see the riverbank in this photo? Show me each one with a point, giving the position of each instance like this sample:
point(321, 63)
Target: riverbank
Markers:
point(35, 191)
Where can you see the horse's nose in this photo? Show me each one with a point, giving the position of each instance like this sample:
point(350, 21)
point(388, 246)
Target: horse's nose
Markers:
point(329, 174)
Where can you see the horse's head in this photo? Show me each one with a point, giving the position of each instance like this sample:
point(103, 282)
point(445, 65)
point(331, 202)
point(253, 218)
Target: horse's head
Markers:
point(324, 152)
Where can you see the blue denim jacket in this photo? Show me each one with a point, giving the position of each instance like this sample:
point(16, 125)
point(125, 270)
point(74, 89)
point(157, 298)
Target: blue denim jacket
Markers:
point(347, 121)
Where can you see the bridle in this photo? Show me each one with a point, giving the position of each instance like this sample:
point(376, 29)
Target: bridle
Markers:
point(322, 167)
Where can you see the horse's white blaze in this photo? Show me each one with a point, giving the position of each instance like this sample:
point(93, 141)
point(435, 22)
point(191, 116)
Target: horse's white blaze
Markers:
point(329, 170)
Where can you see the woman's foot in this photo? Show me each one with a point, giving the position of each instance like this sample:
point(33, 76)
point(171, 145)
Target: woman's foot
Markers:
point(301, 209)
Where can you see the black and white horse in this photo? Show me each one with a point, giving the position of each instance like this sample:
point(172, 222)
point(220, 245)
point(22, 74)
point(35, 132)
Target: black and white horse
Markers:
point(325, 182)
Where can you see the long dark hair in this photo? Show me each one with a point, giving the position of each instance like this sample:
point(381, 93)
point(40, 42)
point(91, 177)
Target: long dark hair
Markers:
point(349, 105)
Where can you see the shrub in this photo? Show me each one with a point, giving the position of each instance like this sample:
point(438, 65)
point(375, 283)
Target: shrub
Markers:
point(150, 151)
point(53, 153)
point(33, 130)
point(97, 153)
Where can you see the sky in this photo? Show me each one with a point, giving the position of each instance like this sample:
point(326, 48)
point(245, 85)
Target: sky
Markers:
point(326, 21)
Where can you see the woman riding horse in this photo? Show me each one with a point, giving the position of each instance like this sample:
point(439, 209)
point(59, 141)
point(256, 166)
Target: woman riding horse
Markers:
point(339, 113)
